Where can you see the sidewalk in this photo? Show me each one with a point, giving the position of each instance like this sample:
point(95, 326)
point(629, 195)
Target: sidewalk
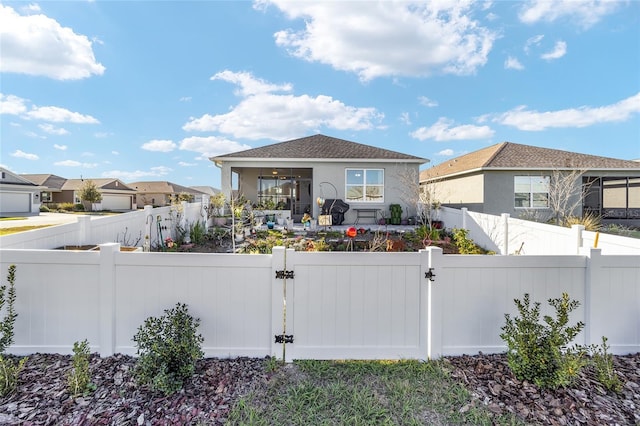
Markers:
point(40, 220)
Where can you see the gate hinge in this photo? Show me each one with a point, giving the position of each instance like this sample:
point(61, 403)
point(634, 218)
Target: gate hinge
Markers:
point(282, 275)
point(429, 274)
point(284, 338)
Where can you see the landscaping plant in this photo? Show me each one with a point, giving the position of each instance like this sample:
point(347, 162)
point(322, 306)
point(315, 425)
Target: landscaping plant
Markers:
point(9, 370)
point(79, 379)
point(539, 352)
point(168, 348)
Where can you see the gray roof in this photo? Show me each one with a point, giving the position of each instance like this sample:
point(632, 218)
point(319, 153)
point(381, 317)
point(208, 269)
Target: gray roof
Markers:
point(320, 147)
point(162, 187)
point(509, 155)
point(48, 180)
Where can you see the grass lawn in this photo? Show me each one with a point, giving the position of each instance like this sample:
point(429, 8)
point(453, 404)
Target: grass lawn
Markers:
point(361, 393)
point(13, 230)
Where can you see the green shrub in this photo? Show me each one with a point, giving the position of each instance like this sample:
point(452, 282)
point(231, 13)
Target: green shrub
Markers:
point(44, 209)
point(6, 324)
point(67, 207)
point(197, 232)
point(539, 352)
point(79, 379)
point(603, 364)
point(464, 243)
point(78, 207)
point(9, 372)
point(169, 348)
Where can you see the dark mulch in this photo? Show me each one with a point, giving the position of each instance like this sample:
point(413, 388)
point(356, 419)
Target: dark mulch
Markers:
point(586, 402)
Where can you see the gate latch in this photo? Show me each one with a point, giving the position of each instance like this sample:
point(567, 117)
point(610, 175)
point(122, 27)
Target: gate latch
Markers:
point(430, 275)
point(284, 274)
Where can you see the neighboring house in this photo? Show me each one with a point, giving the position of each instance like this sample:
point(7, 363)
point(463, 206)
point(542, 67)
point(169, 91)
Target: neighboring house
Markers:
point(18, 196)
point(515, 179)
point(116, 195)
point(293, 174)
point(162, 193)
point(209, 190)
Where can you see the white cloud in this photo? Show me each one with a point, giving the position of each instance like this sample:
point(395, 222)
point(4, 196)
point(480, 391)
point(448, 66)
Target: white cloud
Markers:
point(154, 172)
point(185, 164)
point(60, 147)
point(584, 116)
point(559, 50)
point(585, 12)
point(13, 105)
point(38, 45)
point(185, 99)
point(73, 163)
point(385, 38)
point(250, 85)
point(59, 115)
point(26, 156)
point(532, 41)
point(405, 118)
point(446, 153)
point(211, 146)
point(442, 130)
point(513, 64)
point(52, 130)
point(424, 101)
point(159, 145)
point(115, 153)
point(265, 115)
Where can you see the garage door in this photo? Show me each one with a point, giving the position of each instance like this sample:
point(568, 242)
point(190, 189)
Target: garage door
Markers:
point(116, 202)
point(15, 202)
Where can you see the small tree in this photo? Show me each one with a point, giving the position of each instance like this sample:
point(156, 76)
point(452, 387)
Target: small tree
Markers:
point(89, 193)
point(421, 198)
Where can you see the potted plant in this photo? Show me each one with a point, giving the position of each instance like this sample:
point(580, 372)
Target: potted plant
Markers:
point(217, 208)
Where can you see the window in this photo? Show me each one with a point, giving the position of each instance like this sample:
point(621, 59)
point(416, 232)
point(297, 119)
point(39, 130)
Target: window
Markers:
point(531, 191)
point(364, 185)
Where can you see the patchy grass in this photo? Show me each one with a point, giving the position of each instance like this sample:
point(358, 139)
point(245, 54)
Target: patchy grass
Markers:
point(12, 218)
point(15, 229)
point(362, 393)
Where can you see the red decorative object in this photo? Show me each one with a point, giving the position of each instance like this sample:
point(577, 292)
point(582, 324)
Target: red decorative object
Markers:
point(352, 232)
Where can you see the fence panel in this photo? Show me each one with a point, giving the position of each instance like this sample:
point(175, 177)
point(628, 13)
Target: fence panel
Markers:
point(356, 306)
point(57, 299)
point(230, 295)
point(471, 294)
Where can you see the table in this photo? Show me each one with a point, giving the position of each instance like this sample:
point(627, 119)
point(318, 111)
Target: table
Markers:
point(366, 213)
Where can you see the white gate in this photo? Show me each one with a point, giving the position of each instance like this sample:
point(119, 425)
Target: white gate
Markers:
point(361, 306)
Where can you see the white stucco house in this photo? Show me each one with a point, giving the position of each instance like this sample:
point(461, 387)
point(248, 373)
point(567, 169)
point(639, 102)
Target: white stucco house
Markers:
point(18, 195)
point(294, 173)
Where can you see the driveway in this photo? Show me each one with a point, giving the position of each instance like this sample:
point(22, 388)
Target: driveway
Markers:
point(41, 219)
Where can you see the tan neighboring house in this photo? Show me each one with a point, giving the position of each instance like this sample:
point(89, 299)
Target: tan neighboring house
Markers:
point(514, 178)
point(116, 195)
point(161, 193)
point(18, 196)
point(294, 173)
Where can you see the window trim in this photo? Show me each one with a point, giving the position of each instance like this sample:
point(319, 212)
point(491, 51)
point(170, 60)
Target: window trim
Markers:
point(531, 192)
point(364, 185)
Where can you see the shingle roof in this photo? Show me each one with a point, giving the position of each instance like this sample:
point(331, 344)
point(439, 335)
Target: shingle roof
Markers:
point(101, 183)
point(320, 147)
point(509, 155)
point(161, 187)
point(48, 180)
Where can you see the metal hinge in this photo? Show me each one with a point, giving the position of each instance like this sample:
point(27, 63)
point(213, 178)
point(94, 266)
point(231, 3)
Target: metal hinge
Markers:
point(284, 338)
point(282, 275)
point(429, 274)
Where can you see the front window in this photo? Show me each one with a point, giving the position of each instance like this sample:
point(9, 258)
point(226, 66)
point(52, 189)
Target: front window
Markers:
point(364, 185)
point(531, 191)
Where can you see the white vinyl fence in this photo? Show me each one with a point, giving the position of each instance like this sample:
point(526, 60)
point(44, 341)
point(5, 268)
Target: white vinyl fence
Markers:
point(332, 305)
point(506, 235)
point(128, 229)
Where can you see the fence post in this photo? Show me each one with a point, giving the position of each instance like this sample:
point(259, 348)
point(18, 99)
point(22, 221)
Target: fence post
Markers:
point(84, 229)
point(107, 293)
point(464, 218)
point(434, 304)
point(505, 234)
point(591, 297)
point(278, 302)
point(577, 232)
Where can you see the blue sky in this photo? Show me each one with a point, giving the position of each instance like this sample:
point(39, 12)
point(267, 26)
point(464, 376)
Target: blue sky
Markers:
point(149, 90)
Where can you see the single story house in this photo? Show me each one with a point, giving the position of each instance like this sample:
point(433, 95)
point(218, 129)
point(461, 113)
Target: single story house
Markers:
point(517, 179)
point(18, 196)
point(161, 193)
point(294, 174)
point(116, 195)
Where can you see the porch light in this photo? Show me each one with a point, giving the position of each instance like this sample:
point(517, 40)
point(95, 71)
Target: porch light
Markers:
point(320, 201)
